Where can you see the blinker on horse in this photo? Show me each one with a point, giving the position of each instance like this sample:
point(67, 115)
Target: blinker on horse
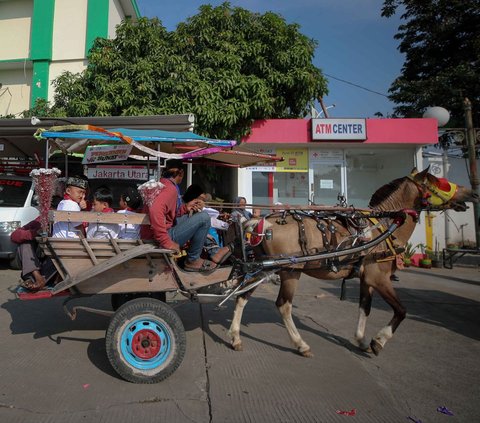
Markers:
point(319, 232)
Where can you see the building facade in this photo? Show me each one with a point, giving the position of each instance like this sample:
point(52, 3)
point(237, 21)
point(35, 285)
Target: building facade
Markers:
point(40, 39)
point(351, 158)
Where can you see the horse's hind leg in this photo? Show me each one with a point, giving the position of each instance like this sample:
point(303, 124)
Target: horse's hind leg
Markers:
point(399, 312)
point(284, 305)
point(365, 305)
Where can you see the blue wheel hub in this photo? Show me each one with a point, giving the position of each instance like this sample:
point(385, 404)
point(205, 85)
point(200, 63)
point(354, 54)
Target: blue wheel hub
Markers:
point(145, 344)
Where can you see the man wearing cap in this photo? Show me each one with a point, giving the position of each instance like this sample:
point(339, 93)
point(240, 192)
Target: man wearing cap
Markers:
point(172, 223)
point(73, 200)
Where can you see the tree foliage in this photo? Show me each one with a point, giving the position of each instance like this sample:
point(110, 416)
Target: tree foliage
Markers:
point(441, 43)
point(226, 65)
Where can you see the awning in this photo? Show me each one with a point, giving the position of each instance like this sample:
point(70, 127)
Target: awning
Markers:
point(16, 135)
point(190, 147)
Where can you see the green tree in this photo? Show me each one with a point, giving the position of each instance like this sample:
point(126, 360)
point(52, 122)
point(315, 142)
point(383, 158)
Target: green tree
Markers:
point(226, 65)
point(441, 43)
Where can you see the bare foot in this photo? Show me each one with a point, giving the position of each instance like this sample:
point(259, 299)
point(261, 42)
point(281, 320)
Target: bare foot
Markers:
point(36, 284)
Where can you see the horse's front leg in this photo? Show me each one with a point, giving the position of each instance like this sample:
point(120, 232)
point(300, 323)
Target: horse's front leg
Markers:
point(234, 331)
point(365, 305)
point(388, 293)
point(284, 304)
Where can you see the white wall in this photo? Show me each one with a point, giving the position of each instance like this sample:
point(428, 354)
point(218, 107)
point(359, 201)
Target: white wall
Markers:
point(57, 68)
point(15, 91)
point(244, 184)
point(457, 221)
point(69, 29)
point(15, 22)
point(115, 16)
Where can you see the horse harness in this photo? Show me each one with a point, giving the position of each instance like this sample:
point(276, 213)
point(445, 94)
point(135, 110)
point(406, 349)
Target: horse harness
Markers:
point(325, 229)
point(328, 231)
point(434, 196)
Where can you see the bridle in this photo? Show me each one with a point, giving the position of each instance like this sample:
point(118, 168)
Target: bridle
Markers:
point(434, 197)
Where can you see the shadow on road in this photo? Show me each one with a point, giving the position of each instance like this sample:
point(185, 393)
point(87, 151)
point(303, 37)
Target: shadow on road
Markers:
point(261, 310)
point(429, 306)
point(441, 276)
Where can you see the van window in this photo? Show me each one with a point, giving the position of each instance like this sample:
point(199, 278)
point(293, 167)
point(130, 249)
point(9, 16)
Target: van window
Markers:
point(13, 193)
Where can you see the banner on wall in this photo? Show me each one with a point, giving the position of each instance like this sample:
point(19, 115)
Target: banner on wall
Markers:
point(318, 156)
point(295, 160)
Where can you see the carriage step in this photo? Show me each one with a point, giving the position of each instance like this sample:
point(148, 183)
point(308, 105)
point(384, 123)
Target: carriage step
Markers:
point(38, 295)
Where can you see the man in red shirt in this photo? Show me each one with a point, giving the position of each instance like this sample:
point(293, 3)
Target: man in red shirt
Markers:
point(172, 223)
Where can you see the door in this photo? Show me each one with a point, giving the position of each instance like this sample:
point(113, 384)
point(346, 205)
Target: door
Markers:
point(328, 183)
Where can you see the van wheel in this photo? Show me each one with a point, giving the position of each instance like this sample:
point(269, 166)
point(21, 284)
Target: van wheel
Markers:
point(15, 263)
point(120, 299)
point(145, 341)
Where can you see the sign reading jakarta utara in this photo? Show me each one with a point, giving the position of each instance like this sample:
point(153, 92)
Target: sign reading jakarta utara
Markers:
point(339, 129)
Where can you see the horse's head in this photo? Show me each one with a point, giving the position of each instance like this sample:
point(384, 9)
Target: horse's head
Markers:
point(439, 193)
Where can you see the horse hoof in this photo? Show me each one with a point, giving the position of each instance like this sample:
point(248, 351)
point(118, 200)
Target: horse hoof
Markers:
point(376, 347)
point(237, 347)
point(365, 348)
point(306, 354)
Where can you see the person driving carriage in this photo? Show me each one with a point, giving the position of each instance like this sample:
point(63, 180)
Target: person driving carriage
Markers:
point(173, 224)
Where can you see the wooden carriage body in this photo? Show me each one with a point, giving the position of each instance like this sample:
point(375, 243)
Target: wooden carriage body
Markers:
point(110, 266)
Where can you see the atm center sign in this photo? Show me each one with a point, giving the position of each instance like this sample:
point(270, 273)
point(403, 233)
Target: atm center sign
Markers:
point(339, 129)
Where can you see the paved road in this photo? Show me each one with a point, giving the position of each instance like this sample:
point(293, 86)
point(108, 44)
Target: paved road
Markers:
point(56, 370)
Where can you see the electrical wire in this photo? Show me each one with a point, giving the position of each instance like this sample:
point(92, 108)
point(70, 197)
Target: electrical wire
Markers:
point(355, 85)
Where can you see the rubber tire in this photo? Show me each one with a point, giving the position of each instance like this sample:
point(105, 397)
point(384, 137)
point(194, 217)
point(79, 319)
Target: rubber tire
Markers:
point(15, 263)
point(118, 300)
point(151, 310)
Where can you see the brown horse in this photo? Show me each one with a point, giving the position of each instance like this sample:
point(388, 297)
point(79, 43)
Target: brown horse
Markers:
point(290, 238)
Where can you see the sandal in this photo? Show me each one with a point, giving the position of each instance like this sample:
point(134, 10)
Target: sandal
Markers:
point(207, 266)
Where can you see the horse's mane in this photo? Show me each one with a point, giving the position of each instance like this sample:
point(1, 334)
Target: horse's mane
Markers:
point(385, 192)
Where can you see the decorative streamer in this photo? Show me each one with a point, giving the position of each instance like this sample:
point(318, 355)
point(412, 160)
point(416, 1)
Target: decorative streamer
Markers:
point(44, 185)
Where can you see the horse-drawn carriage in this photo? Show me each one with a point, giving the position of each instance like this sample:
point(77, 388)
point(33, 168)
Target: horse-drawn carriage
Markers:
point(145, 339)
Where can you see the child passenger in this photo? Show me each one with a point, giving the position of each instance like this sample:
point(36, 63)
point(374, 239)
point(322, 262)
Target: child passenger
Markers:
point(102, 203)
point(130, 202)
point(73, 200)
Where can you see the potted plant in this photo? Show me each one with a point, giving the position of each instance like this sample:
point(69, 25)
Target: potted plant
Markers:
point(435, 256)
point(410, 250)
point(425, 262)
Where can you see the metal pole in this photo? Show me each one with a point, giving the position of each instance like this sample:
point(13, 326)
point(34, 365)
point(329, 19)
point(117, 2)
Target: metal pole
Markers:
point(47, 153)
point(472, 158)
point(446, 217)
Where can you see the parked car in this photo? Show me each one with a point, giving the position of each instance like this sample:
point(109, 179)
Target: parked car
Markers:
point(17, 208)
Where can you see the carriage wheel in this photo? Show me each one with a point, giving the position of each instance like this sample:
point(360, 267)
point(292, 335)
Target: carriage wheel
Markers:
point(120, 299)
point(145, 341)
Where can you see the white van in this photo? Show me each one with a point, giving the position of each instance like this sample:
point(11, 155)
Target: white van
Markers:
point(17, 208)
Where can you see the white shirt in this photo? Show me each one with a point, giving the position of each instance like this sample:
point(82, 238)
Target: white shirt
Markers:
point(102, 230)
point(66, 229)
point(129, 231)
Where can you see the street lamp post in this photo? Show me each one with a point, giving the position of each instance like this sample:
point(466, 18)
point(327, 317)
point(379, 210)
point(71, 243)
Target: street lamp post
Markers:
point(472, 158)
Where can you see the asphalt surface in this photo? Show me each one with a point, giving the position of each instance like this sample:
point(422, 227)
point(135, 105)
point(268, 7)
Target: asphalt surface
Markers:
point(53, 369)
